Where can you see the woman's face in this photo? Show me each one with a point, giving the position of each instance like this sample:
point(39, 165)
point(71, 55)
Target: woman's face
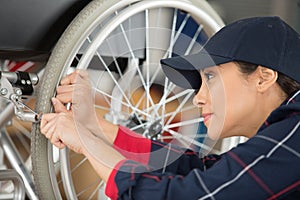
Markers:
point(227, 99)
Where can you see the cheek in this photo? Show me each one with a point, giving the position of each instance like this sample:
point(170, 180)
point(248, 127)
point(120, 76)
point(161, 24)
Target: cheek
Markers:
point(239, 106)
point(237, 91)
point(218, 105)
point(232, 118)
point(228, 106)
point(219, 100)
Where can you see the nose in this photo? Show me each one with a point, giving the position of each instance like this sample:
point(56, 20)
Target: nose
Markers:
point(201, 98)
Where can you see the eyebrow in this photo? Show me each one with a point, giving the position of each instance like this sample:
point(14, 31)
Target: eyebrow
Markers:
point(202, 70)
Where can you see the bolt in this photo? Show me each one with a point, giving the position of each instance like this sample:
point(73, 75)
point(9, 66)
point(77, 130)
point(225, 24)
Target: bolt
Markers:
point(3, 91)
point(18, 91)
point(156, 127)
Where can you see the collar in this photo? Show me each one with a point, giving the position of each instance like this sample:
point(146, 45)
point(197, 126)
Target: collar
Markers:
point(289, 108)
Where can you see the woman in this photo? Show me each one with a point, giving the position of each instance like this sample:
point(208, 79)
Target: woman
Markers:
point(249, 86)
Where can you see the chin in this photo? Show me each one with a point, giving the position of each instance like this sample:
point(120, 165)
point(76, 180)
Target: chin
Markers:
point(214, 136)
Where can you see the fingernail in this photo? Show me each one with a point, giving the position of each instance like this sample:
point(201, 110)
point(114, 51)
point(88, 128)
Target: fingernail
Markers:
point(54, 101)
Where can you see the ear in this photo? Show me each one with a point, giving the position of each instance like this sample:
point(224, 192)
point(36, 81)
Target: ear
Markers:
point(266, 78)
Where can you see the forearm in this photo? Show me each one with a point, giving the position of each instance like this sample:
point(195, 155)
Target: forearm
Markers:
point(130, 144)
point(102, 156)
point(109, 130)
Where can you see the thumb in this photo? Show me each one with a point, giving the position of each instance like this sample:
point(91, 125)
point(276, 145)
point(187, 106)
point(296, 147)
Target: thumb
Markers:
point(58, 106)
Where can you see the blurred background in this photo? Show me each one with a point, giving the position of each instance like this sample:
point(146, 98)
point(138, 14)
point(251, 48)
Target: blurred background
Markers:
point(231, 10)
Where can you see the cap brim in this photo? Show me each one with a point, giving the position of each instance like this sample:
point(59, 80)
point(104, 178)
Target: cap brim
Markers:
point(184, 70)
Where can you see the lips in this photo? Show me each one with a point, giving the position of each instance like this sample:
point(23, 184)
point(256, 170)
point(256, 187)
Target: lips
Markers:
point(206, 116)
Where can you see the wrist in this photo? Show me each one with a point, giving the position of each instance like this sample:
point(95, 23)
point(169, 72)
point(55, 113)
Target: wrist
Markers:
point(109, 130)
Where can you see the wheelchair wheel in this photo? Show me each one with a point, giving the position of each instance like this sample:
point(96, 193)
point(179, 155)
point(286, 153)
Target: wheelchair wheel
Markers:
point(121, 43)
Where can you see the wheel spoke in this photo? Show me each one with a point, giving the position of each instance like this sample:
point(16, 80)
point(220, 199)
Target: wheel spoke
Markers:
point(193, 41)
point(187, 108)
point(79, 164)
point(189, 140)
point(117, 85)
point(147, 56)
point(88, 187)
point(114, 58)
point(112, 77)
point(102, 107)
point(178, 33)
point(173, 38)
point(184, 123)
point(94, 193)
point(136, 110)
point(179, 95)
point(146, 87)
point(139, 126)
point(142, 96)
point(186, 98)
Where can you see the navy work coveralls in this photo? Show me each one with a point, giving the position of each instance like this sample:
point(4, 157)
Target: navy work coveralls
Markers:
point(267, 166)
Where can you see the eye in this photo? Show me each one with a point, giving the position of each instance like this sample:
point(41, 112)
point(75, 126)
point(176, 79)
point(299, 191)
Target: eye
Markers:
point(208, 76)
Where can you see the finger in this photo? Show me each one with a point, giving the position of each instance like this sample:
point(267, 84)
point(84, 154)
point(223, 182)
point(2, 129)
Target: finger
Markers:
point(65, 98)
point(59, 106)
point(56, 137)
point(82, 73)
point(66, 93)
point(46, 118)
point(59, 144)
point(51, 131)
point(49, 128)
point(81, 92)
point(82, 78)
point(71, 78)
point(64, 89)
point(68, 79)
point(56, 140)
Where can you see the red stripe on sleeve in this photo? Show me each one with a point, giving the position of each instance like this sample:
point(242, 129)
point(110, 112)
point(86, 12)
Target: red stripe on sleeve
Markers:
point(132, 145)
point(111, 189)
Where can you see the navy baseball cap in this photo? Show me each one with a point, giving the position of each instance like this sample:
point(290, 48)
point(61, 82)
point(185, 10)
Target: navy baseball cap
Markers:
point(265, 41)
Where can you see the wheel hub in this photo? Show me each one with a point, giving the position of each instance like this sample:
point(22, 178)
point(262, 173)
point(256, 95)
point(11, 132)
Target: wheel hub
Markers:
point(149, 129)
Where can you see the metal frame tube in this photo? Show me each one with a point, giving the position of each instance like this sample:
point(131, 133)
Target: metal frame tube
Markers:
point(16, 161)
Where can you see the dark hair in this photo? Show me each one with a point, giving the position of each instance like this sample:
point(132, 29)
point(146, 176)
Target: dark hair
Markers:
point(288, 85)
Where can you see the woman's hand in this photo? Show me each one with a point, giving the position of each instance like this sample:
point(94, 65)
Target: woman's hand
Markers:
point(76, 89)
point(61, 130)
